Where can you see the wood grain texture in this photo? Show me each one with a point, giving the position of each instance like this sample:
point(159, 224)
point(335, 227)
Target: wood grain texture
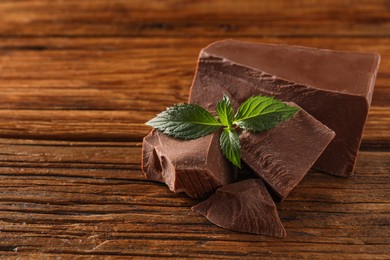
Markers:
point(90, 198)
point(78, 79)
point(78, 92)
point(195, 18)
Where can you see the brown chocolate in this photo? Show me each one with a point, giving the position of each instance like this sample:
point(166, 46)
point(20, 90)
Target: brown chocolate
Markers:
point(244, 206)
point(335, 87)
point(283, 155)
point(196, 167)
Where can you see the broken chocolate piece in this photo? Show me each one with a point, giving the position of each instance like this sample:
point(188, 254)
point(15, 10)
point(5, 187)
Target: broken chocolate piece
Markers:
point(196, 167)
point(335, 87)
point(283, 155)
point(244, 206)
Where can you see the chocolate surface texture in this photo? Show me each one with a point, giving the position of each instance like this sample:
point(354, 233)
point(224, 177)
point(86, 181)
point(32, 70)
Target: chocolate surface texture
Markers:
point(196, 167)
point(335, 87)
point(244, 206)
point(283, 155)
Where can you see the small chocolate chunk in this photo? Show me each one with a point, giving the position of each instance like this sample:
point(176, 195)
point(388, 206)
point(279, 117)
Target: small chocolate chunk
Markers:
point(196, 167)
point(335, 87)
point(244, 206)
point(283, 155)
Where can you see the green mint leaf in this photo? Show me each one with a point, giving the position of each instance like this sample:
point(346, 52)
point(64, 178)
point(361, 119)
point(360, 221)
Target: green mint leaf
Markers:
point(185, 121)
point(261, 113)
point(225, 111)
point(191, 121)
point(230, 146)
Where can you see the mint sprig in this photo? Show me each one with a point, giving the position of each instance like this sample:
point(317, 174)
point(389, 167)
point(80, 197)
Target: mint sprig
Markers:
point(191, 121)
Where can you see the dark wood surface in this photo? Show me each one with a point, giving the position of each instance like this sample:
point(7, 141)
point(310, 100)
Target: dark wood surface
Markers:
point(78, 79)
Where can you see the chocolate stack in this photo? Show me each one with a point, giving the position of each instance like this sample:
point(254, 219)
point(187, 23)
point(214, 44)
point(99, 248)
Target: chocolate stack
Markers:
point(334, 91)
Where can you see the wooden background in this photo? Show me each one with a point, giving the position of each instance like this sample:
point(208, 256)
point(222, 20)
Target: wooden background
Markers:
point(78, 79)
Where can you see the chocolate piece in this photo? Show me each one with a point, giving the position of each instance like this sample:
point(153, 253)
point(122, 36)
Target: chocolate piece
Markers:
point(283, 155)
point(244, 206)
point(196, 167)
point(335, 87)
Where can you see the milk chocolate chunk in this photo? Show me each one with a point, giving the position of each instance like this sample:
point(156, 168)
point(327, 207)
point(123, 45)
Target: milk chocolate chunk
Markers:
point(283, 155)
point(335, 87)
point(244, 206)
point(196, 167)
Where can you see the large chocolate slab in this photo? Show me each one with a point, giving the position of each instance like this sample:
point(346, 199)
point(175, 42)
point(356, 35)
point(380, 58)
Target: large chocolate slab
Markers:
point(196, 167)
point(283, 155)
point(335, 87)
point(244, 206)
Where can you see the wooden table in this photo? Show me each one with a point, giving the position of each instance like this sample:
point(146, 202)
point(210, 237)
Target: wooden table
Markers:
point(78, 79)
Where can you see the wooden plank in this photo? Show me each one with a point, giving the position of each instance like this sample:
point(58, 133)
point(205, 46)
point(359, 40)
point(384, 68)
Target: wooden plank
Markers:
point(89, 198)
point(74, 124)
point(78, 93)
point(129, 125)
point(80, 73)
point(192, 18)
